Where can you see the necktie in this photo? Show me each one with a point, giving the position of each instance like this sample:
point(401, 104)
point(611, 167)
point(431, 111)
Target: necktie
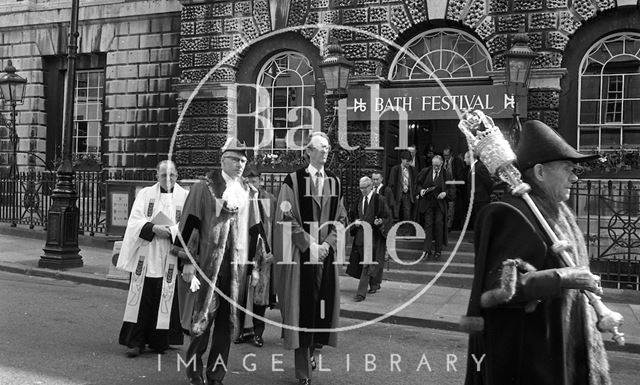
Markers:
point(435, 175)
point(366, 206)
point(319, 184)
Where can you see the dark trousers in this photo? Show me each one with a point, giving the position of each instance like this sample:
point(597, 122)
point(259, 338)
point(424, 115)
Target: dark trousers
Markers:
point(433, 219)
point(405, 208)
point(221, 340)
point(366, 281)
point(144, 331)
point(258, 325)
point(303, 354)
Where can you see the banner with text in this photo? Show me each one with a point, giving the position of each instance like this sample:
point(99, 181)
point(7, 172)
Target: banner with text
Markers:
point(427, 103)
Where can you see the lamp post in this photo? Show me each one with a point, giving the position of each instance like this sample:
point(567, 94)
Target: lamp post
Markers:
point(61, 249)
point(12, 92)
point(518, 70)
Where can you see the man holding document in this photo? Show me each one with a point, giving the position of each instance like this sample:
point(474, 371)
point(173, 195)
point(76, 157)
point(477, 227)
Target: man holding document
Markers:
point(151, 315)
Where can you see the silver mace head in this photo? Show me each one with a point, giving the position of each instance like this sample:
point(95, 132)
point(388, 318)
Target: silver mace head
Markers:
point(487, 142)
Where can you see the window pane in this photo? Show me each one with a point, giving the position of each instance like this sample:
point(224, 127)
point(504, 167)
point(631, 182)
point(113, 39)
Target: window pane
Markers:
point(632, 111)
point(610, 137)
point(588, 138)
point(590, 87)
point(631, 136)
point(632, 86)
point(589, 112)
point(279, 97)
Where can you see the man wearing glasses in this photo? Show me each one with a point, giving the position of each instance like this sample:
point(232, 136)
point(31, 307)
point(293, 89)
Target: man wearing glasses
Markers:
point(151, 315)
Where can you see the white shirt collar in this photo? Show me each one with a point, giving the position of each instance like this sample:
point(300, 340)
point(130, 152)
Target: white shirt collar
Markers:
point(313, 171)
point(369, 196)
point(228, 178)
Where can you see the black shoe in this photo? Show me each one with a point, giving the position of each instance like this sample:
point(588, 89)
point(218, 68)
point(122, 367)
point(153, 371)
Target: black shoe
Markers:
point(304, 381)
point(436, 256)
point(243, 338)
point(196, 381)
point(215, 382)
point(358, 298)
point(134, 352)
point(372, 291)
point(258, 341)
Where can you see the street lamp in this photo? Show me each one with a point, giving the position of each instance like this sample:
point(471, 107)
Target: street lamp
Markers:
point(12, 92)
point(61, 250)
point(518, 62)
point(335, 69)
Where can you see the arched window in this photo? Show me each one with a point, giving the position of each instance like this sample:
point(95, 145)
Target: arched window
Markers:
point(443, 53)
point(609, 94)
point(288, 103)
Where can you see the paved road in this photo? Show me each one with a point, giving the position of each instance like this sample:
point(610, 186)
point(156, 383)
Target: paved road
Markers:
point(57, 332)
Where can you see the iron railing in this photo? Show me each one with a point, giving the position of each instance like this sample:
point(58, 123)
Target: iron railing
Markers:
point(608, 213)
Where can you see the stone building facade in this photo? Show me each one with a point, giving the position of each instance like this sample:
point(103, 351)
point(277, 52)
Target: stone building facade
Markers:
point(128, 62)
point(187, 66)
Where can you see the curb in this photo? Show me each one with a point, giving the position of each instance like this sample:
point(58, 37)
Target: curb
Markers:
point(84, 278)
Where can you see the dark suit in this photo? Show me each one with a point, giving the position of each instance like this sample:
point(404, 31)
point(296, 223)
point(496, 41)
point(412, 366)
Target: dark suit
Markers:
point(402, 201)
point(385, 192)
point(483, 189)
point(456, 213)
point(368, 274)
point(432, 211)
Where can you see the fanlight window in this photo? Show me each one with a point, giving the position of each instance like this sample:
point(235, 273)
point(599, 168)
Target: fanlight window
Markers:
point(441, 53)
point(288, 103)
point(609, 94)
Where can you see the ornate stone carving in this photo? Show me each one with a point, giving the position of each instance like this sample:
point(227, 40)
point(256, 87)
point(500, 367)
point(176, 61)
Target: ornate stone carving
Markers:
point(221, 42)
point(372, 28)
point(497, 43)
point(553, 4)
point(476, 12)
point(378, 14)
point(527, 5)
point(399, 18)
point(187, 28)
point(557, 40)
point(378, 50)
point(186, 60)
point(548, 60)
point(584, 8)
point(388, 32)
point(194, 12)
point(417, 10)
point(262, 15)
point(454, 11)
point(605, 4)
point(222, 9)
point(194, 44)
point(206, 59)
point(486, 28)
point(569, 23)
point(208, 27)
point(218, 107)
point(543, 20)
point(510, 23)
point(354, 16)
point(297, 12)
point(498, 6)
point(535, 40)
point(543, 99)
point(355, 51)
point(242, 8)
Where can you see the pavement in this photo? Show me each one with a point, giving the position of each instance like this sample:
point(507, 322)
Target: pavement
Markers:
point(427, 305)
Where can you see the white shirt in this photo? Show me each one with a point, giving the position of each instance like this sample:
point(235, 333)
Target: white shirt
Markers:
point(368, 199)
point(313, 171)
point(240, 196)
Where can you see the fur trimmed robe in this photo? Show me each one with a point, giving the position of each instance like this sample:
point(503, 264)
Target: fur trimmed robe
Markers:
point(210, 230)
point(534, 331)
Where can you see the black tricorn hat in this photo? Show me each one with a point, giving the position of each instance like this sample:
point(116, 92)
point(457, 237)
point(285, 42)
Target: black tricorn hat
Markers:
point(233, 144)
point(251, 170)
point(539, 143)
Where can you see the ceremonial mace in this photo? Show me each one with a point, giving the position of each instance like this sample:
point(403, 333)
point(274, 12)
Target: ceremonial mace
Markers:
point(488, 143)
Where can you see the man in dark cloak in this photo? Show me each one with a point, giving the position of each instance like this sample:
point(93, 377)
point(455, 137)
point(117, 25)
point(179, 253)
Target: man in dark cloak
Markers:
point(531, 324)
point(309, 293)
